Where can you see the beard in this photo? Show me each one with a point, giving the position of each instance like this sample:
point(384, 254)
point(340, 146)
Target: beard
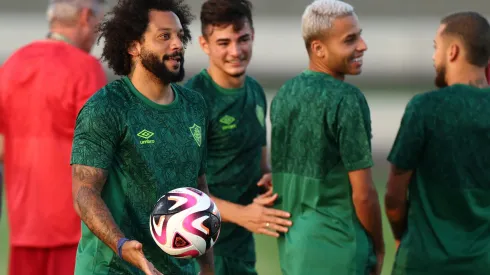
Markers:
point(157, 67)
point(440, 80)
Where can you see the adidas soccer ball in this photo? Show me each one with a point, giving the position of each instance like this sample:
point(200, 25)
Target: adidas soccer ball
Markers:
point(185, 223)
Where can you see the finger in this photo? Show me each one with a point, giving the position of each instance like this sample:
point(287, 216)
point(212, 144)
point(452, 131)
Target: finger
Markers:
point(265, 200)
point(278, 228)
point(279, 221)
point(268, 193)
point(268, 232)
point(277, 213)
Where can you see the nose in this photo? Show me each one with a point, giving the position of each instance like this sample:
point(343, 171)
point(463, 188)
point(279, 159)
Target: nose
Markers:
point(177, 43)
point(362, 46)
point(235, 50)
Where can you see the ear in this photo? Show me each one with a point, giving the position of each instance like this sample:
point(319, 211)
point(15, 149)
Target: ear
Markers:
point(454, 50)
point(204, 44)
point(84, 17)
point(318, 49)
point(135, 49)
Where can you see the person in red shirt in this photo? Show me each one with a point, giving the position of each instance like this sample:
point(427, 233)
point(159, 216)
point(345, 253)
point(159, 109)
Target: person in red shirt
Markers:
point(43, 85)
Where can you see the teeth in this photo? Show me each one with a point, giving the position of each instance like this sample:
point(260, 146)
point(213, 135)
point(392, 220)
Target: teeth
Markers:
point(358, 59)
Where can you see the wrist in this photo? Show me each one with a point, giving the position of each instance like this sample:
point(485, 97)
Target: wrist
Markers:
point(119, 246)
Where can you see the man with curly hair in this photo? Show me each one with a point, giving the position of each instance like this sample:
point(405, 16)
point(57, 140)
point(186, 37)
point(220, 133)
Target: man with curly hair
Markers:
point(136, 139)
point(237, 145)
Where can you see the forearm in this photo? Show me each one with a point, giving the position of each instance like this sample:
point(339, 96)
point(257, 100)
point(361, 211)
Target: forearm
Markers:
point(94, 213)
point(369, 214)
point(206, 261)
point(227, 209)
point(396, 211)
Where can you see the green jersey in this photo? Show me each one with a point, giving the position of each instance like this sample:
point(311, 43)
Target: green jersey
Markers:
point(236, 135)
point(148, 149)
point(444, 138)
point(321, 130)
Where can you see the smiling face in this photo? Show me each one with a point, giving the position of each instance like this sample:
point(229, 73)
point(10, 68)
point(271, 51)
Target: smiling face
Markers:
point(341, 48)
point(162, 50)
point(229, 50)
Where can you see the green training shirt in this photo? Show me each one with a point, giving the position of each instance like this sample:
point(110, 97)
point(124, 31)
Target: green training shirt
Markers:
point(444, 137)
point(321, 130)
point(236, 135)
point(148, 149)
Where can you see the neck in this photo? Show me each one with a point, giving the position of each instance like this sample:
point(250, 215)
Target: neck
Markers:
point(224, 80)
point(469, 75)
point(150, 86)
point(69, 34)
point(317, 66)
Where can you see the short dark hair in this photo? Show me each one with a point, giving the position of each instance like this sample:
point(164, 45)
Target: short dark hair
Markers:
point(474, 31)
point(222, 13)
point(129, 22)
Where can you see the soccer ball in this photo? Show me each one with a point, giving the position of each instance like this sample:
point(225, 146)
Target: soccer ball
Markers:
point(185, 223)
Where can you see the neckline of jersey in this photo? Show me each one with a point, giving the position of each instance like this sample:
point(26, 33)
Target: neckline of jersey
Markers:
point(310, 72)
point(225, 91)
point(151, 103)
point(484, 90)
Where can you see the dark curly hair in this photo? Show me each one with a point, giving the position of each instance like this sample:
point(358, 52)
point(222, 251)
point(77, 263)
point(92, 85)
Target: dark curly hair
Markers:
point(225, 12)
point(128, 23)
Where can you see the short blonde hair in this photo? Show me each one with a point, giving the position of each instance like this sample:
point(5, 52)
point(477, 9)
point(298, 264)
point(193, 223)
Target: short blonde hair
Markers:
point(318, 17)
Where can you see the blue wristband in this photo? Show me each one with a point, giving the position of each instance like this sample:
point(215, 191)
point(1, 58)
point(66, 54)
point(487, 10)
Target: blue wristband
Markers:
point(120, 243)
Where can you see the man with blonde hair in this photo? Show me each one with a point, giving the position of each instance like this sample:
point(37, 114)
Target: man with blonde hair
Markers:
point(43, 85)
point(321, 153)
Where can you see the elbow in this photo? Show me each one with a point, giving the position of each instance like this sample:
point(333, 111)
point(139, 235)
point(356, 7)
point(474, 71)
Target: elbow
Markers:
point(74, 200)
point(368, 197)
point(394, 206)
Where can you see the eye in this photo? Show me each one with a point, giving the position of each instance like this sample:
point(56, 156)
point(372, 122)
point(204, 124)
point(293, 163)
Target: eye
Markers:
point(165, 36)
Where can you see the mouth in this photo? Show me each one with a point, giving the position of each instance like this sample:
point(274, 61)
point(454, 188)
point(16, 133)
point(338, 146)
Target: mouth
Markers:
point(357, 60)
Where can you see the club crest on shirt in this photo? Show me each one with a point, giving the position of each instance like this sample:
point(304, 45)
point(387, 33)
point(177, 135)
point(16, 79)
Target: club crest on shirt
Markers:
point(196, 133)
point(259, 111)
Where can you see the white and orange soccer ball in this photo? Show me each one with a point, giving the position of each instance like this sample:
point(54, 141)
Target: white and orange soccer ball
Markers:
point(185, 223)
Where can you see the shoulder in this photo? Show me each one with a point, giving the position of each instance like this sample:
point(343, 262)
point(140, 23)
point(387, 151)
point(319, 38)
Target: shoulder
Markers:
point(196, 83)
point(190, 95)
point(110, 99)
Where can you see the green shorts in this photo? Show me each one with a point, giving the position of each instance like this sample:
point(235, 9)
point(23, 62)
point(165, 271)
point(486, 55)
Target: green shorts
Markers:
point(231, 266)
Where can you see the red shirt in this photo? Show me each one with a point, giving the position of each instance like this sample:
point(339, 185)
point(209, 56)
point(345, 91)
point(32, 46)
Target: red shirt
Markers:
point(43, 85)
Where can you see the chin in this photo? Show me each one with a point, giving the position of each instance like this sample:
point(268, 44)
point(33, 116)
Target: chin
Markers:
point(236, 72)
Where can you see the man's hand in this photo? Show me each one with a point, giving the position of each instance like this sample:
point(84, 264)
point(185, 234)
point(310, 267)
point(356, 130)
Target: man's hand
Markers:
point(262, 220)
point(266, 181)
point(266, 199)
point(132, 252)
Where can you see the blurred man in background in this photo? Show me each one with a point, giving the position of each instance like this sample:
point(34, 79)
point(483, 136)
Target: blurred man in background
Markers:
point(321, 153)
point(487, 71)
point(441, 158)
point(237, 138)
point(43, 85)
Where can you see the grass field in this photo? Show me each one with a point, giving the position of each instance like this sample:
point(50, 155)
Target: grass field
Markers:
point(385, 113)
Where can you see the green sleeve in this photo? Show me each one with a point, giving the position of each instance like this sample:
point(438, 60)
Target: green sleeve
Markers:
point(264, 98)
point(409, 141)
point(354, 131)
point(96, 135)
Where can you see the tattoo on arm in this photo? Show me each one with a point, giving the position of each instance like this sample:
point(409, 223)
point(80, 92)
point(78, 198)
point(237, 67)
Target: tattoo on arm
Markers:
point(93, 210)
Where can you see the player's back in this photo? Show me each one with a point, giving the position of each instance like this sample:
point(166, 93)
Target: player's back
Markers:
point(310, 117)
point(449, 196)
point(42, 87)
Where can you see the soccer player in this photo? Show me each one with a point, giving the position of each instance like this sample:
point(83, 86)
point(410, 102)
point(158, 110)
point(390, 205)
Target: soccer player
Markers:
point(238, 163)
point(321, 153)
point(136, 139)
point(43, 85)
point(438, 192)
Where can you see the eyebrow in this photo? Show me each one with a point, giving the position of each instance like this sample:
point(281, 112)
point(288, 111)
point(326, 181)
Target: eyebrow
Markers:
point(169, 29)
point(228, 39)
